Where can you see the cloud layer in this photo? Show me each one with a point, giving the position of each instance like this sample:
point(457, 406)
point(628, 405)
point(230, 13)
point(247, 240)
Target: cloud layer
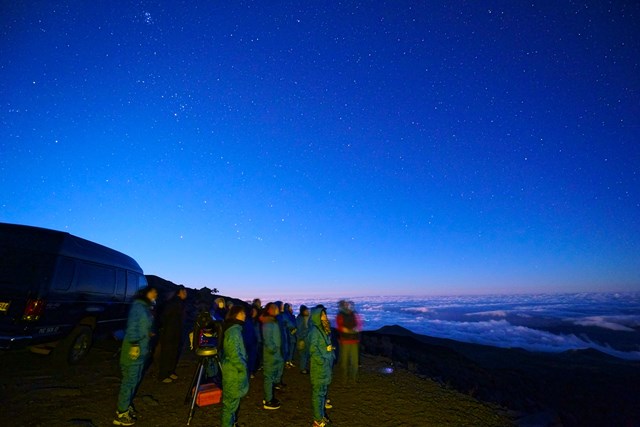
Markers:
point(514, 321)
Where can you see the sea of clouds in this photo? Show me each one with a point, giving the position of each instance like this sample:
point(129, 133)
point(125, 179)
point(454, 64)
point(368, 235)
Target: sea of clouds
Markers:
point(548, 323)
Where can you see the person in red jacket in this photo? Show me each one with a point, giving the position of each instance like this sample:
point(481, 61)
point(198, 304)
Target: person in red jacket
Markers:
point(349, 326)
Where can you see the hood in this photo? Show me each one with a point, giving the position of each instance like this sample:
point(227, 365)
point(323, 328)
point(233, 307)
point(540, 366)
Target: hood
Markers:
point(266, 318)
point(267, 314)
point(343, 307)
point(316, 314)
point(230, 322)
point(142, 301)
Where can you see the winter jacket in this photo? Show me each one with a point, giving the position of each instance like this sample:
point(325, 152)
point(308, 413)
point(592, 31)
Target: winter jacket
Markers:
point(272, 342)
point(138, 332)
point(302, 326)
point(235, 377)
point(320, 350)
point(289, 322)
point(284, 333)
point(348, 324)
point(172, 320)
point(249, 334)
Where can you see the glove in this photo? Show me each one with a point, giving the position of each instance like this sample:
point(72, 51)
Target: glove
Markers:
point(134, 352)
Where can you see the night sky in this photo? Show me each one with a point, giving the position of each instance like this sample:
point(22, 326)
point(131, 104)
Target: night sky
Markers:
point(281, 148)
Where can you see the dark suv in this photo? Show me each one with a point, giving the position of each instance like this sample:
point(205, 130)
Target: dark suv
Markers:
point(57, 290)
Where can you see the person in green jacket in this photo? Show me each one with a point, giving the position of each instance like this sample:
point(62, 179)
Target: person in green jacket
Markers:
point(235, 375)
point(321, 353)
point(273, 362)
point(135, 352)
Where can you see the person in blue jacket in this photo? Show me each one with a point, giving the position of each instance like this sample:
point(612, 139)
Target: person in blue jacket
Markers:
point(302, 334)
point(134, 353)
point(290, 332)
point(218, 310)
point(235, 375)
point(250, 336)
point(272, 360)
point(321, 352)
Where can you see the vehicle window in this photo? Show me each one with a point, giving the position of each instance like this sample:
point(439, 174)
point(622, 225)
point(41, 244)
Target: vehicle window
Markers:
point(142, 281)
point(23, 269)
point(120, 282)
point(132, 283)
point(64, 274)
point(96, 279)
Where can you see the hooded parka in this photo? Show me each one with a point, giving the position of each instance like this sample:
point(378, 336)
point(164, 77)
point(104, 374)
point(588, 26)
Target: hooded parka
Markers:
point(235, 376)
point(321, 352)
point(138, 334)
point(273, 363)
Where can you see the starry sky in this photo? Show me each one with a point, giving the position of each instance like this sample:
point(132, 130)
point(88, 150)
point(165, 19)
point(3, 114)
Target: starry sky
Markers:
point(344, 148)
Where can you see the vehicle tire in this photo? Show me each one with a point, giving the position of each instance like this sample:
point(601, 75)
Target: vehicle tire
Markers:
point(75, 346)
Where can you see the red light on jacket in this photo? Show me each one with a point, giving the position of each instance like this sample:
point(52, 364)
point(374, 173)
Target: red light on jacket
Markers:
point(33, 310)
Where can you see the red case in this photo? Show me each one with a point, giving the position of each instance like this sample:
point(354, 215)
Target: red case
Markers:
point(208, 394)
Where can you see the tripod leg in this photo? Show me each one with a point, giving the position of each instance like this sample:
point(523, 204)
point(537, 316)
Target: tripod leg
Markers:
point(219, 365)
point(195, 392)
point(193, 382)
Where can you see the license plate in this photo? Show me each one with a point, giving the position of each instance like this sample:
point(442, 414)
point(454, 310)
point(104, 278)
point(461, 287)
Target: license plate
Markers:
point(4, 306)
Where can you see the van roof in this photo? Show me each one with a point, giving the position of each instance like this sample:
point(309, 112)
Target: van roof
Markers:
point(63, 243)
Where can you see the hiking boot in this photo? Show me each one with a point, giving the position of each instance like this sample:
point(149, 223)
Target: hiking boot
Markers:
point(327, 404)
point(132, 413)
point(319, 423)
point(272, 404)
point(123, 419)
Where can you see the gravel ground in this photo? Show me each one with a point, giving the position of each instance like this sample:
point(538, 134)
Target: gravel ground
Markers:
point(34, 393)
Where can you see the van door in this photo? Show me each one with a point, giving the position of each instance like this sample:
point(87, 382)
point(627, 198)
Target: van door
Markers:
point(95, 294)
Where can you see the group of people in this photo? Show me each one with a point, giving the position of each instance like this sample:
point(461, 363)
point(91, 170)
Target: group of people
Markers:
point(253, 337)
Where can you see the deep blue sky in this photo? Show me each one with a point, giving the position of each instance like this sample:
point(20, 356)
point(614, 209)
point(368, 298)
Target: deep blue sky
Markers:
point(337, 148)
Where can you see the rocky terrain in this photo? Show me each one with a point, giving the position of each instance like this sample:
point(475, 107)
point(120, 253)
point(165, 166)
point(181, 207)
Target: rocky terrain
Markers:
point(577, 388)
point(35, 393)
